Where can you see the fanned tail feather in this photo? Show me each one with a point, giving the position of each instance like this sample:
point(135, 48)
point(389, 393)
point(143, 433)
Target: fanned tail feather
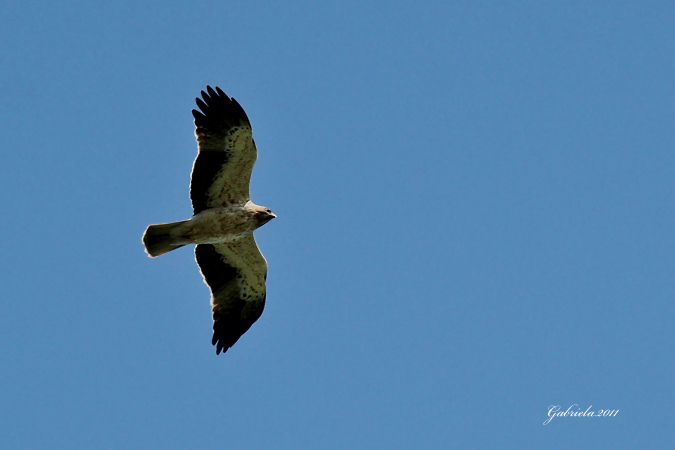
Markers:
point(162, 238)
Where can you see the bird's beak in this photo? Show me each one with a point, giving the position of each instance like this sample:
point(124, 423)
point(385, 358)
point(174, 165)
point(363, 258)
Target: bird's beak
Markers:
point(269, 216)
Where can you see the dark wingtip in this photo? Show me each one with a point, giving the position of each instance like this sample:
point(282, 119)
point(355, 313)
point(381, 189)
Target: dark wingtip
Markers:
point(218, 111)
point(220, 348)
point(219, 345)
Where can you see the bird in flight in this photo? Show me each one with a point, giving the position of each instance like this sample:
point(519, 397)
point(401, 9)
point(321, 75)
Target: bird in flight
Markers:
point(224, 218)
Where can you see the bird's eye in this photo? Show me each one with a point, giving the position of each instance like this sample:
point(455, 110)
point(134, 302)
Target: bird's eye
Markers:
point(268, 211)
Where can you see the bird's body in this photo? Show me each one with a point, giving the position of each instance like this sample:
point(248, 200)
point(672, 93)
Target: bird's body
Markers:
point(224, 218)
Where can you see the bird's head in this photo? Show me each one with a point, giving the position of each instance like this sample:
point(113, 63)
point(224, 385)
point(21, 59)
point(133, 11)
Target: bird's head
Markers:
point(263, 215)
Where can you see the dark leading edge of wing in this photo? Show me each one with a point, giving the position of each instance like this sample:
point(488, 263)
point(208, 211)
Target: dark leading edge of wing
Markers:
point(219, 113)
point(232, 316)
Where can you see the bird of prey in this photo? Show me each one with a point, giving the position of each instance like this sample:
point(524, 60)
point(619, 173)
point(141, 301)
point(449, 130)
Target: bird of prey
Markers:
point(224, 218)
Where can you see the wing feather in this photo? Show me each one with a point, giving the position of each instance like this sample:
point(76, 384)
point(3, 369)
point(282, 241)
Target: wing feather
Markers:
point(235, 272)
point(221, 173)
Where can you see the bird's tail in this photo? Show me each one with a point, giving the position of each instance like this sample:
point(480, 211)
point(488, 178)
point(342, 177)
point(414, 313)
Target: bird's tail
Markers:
point(162, 238)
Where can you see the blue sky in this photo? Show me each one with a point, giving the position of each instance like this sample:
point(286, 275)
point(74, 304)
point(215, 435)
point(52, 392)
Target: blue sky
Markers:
point(476, 220)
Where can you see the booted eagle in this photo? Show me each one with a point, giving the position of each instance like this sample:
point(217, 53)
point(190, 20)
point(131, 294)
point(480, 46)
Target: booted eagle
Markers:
point(224, 218)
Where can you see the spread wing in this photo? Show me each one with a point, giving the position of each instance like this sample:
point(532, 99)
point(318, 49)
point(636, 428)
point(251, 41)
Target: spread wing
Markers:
point(222, 171)
point(236, 272)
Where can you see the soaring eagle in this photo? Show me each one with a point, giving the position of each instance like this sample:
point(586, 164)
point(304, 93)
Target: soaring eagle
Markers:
point(224, 218)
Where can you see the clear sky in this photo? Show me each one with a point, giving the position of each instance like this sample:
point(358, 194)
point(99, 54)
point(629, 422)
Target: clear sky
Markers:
point(476, 222)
